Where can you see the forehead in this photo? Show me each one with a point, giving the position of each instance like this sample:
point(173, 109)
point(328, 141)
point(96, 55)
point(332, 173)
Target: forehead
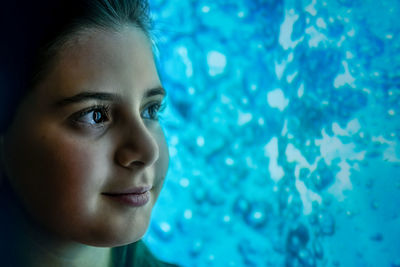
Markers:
point(96, 59)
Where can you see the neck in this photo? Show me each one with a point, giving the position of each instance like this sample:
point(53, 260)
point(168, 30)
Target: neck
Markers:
point(35, 254)
point(39, 250)
point(33, 247)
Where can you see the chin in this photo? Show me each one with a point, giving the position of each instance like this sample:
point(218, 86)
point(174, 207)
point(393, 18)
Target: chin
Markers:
point(126, 241)
point(119, 237)
point(116, 242)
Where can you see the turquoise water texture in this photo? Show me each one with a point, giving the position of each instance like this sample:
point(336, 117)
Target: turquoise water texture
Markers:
point(284, 133)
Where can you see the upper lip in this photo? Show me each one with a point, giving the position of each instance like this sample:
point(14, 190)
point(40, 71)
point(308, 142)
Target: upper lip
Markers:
point(132, 190)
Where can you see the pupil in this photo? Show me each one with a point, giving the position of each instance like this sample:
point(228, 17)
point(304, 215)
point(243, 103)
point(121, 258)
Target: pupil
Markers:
point(96, 116)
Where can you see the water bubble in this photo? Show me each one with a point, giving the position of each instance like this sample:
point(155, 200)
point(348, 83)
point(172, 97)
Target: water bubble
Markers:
point(229, 161)
point(322, 180)
point(184, 222)
point(163, 230)
point(196, 248)
point(188, 214)
point(184, 182)
point(295, 207)
point(248, 252)
point(326, 223)
point(306, 258)
point(257, 215)
point(313, 219)
point(374, 205)
point(395, 263)
point(311, 152)
point(226, 219)
point(374, 153)
point(378, 237)
point(328, 200)
point(291, 262)
point(199, 195)
point(211, 258)
point(250, 261)
point(241, 205)
point(256, 218)
point(318, 249)
point(297, 239)
point(216, 62)
point(204, 209)
point(278, 244)
point(215, 196)
point(369, 183)
point(349, 213)
point(322, 177)
point(304, 173)
point(200, 141)
point(205, 9)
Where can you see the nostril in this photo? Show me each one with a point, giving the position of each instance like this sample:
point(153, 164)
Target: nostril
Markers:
point(137, 163)
point(129, 156)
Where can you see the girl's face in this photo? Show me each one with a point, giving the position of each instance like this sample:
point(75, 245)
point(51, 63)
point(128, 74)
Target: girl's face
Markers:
point(90, 130)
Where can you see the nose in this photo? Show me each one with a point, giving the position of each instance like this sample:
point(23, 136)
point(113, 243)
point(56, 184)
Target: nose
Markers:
point(139, 148)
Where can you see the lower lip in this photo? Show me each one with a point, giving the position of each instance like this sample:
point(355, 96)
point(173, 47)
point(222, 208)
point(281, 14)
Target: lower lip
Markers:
point(133, 200)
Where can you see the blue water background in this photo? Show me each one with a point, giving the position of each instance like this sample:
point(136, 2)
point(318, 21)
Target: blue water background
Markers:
point(283, 127)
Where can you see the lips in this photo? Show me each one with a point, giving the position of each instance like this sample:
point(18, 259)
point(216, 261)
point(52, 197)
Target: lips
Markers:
point(134, 197)
point(132, 190)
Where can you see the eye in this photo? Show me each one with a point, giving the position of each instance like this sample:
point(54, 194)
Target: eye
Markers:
point(94, 116)
point(153, 110)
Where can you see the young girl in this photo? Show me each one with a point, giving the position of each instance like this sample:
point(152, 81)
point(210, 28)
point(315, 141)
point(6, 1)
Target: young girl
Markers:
point(83, 157)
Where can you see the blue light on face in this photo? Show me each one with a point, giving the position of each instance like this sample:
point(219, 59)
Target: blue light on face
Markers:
point(283, 130)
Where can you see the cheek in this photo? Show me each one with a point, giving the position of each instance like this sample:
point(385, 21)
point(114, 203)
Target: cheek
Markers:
point(161, 165)
point(56, 176)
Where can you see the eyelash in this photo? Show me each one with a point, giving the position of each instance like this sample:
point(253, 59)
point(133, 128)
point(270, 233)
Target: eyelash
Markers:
point(154, 108)
point(104, 111)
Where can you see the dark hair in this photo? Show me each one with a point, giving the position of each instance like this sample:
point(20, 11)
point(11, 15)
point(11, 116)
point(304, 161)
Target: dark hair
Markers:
point(34, 31)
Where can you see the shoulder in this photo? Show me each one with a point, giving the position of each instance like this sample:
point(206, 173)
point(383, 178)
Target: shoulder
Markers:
point(136, 254)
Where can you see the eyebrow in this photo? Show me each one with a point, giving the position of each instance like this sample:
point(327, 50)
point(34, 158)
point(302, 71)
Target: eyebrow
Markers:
point(112, 97)
point(155, 91)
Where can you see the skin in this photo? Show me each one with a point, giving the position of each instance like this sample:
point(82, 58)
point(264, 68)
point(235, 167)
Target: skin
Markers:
point(62, 168)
